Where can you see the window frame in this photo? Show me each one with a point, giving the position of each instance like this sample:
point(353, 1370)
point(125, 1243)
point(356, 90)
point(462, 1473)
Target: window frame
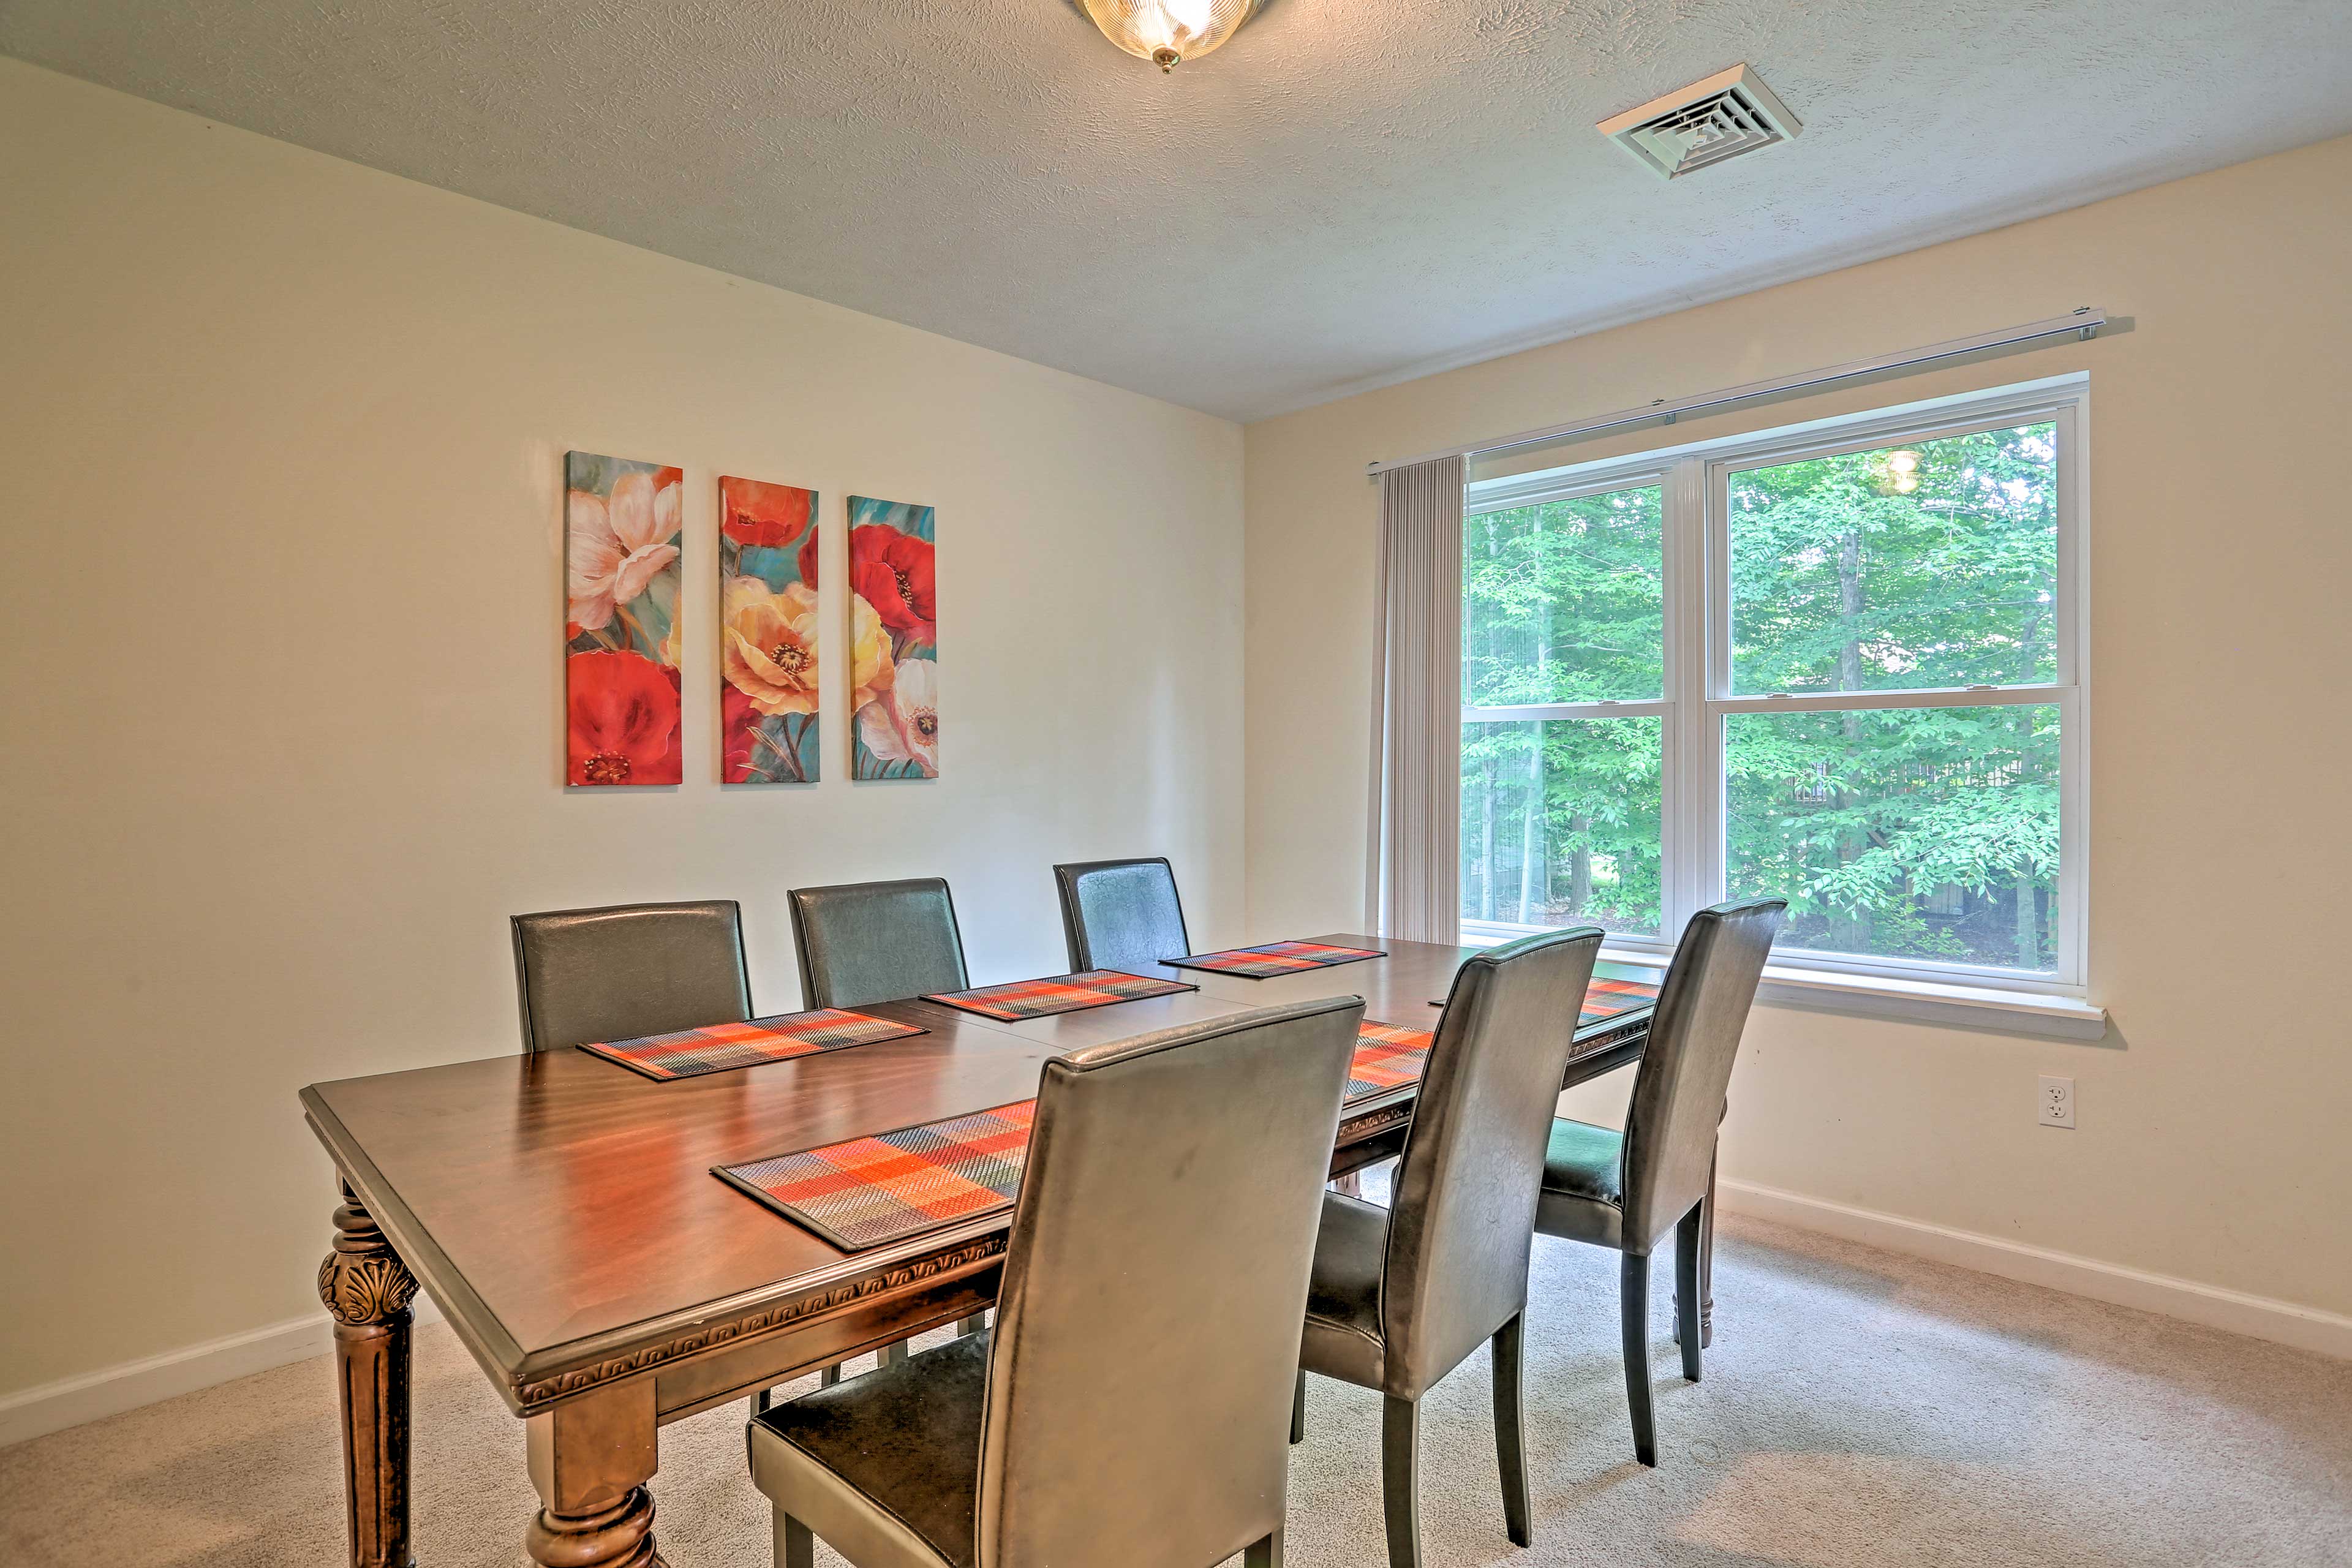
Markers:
point(1698, 698)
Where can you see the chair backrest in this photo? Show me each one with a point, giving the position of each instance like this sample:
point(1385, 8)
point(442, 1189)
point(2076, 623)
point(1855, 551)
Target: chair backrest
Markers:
point(1462, 1215)
point(1147, 1328)
point(617, 973)
point(1678, 1092)
point(1121, 914)
point(876, 942)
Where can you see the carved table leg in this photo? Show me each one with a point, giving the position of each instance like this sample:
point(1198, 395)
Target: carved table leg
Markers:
point(367, 1289)
point(590, 1459)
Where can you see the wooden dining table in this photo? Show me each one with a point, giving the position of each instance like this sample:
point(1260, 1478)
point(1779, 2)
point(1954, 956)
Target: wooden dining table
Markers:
point(561, 1211)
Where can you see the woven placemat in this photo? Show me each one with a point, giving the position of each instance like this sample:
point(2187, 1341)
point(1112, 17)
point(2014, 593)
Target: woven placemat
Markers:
point(1063, 994)
point(1388, 1056)
point(866, 1192)
point(721, 1048)
point(1274, 958)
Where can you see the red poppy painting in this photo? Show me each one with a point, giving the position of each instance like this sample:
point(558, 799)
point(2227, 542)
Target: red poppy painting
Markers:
point(620, 535)
point(894, 641)
point(892, 572)
point(767, 632)
point(623, 712)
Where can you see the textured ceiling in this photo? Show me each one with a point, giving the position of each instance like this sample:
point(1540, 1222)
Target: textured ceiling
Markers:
point(1350, 192)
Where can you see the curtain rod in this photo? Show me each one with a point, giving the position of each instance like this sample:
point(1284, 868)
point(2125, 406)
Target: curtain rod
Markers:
point(2084, 322)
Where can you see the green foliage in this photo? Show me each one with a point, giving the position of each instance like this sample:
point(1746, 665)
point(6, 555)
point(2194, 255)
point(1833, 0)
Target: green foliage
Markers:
point(1952, 584)
point(1925, 832)
point(1562, 602)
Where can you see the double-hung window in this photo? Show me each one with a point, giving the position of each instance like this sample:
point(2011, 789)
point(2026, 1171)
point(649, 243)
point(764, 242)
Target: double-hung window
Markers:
point(1839, 664)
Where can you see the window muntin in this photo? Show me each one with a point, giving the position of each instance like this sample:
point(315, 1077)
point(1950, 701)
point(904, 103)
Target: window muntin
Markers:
point(1975, 603)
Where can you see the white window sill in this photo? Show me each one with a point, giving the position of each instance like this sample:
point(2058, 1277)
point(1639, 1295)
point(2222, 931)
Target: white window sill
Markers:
point(1999, 1009)
point(1929, 1001)
point(1996, 1008)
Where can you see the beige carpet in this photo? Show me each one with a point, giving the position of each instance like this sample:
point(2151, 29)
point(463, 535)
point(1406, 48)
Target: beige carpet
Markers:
point(1859, 1409)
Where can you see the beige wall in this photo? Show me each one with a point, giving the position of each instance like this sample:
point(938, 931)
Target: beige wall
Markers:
point(282, 589)
point(2212, 1143)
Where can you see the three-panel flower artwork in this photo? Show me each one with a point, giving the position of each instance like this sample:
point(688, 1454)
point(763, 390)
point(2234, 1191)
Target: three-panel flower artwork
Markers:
point(623, 681)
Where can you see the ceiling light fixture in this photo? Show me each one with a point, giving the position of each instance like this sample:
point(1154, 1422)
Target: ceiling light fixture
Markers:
point(1169, 32)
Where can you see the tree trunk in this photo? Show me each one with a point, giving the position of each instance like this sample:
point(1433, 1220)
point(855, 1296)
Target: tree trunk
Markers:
point(1531, 832)
point(1850, 610)
point(1486, 867)
point(1486, 848)
point(2029, 928)
point(1532, 848)
point(1579, 866)
point(1850, 932)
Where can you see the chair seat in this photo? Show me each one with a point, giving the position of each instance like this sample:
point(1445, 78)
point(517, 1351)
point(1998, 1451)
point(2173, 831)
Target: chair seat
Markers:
point(884, 1467)
point(1583, 1196)
point(1342, 1339)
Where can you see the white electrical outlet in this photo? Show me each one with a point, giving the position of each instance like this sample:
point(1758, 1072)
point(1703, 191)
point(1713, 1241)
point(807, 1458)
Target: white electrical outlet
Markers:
point(2057, 1102)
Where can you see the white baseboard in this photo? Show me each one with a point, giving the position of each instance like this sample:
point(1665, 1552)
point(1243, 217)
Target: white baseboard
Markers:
point(2260, 1317)
point(111, 1390)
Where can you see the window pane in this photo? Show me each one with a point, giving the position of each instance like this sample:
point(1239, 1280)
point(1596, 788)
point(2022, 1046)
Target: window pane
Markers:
point(1929, 564)
point(1560, 601)
point(1928, 833)
point(1560, 823)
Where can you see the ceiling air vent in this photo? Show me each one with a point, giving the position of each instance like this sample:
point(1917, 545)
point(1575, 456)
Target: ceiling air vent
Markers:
point(1729, 113)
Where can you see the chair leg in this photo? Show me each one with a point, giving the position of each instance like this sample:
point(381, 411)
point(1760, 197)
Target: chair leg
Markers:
point(1298, 1407)
point(1399, 1486)
point(1633, 1303)
point(795, 1547)
point(829, 1376)
point(1689, 1233)
point(761, 1403)
point(893, 1354)
point(1510, 1435)
point(973, 1324)
point(1706, 1263)
point(1266, 1553)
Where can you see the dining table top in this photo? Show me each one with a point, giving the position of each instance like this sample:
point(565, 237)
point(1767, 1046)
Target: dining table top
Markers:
point(561, 1208)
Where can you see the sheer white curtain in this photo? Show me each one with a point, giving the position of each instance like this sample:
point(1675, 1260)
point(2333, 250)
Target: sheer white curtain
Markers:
point(1412, 855)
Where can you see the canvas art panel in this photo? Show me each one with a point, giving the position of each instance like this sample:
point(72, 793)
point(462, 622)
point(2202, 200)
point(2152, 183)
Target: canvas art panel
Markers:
point(768, 551)
point(621, 532)
point(894, 641)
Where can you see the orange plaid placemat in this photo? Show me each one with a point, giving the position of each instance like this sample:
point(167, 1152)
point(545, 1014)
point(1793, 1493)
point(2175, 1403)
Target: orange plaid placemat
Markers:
point(690, 1053)
point(1275, 958)
point(868, 1191)
point(1387, 1057)
point(1063, 994)
point(1605, 999)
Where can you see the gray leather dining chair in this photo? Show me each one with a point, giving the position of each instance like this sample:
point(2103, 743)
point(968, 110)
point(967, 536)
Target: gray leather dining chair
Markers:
point(1129, 1406)
point(1626, 1190)
point(1400, 1295)
point(876, 942)
point(629, 971)
point(617, 974)
point(1122, 915)
point(861, 942)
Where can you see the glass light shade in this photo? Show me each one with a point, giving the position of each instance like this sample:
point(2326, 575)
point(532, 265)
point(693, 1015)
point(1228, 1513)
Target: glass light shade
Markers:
point(1169, 32)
